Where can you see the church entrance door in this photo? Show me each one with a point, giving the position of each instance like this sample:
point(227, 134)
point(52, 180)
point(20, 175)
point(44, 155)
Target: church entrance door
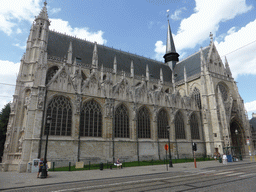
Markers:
point(237, 138)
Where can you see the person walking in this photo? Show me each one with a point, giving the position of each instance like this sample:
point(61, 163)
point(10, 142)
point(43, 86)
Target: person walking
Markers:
point(225, 159)
point(41, 164)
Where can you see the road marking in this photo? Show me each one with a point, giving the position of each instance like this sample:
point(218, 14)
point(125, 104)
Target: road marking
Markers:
point(122, 183)
point(208, 171)
point(246, 175)
point(235, 174)
point(222, 173)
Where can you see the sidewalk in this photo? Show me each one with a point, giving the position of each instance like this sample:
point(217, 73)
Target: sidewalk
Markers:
point(14, 179)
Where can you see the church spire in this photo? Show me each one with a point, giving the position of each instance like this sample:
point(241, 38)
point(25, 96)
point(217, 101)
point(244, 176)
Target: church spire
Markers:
point(171, 56)
point(43, 14)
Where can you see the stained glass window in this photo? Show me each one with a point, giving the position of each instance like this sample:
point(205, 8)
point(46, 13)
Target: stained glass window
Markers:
point(143, 123)
point(194, 126)
point(122, 122)
point(179, 126)
point(91, 120)
point(162, 123)
point(61, 112)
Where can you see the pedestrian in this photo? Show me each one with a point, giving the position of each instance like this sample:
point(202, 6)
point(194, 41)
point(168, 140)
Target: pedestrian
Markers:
point(225, 159)
point(118, 164)
point(215, 156)
point(41, 164)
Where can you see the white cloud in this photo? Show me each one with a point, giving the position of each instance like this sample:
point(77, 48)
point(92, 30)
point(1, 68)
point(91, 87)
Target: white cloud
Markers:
point(250, 107)
point(207, 17)
point(177, 13)
point(240, 49)
point(20, 46)
point(14, 11)
point(83, 33)
point(160, 50)
point(55, 10)
point(231, 30)
point(8, 75)
point(18, 31)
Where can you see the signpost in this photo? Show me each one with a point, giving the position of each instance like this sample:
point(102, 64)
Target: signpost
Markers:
point(166, 147)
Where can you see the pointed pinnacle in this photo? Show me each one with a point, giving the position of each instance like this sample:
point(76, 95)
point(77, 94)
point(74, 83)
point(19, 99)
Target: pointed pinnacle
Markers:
point(170, 47)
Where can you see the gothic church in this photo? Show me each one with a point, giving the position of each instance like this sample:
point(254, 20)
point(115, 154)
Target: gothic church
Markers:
point(107, 104)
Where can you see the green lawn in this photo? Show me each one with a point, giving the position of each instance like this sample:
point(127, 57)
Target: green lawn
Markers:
point(128, 164)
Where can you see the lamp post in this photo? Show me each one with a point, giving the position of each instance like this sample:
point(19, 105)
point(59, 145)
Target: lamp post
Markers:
point(240, 156)
point(170, 155)
point(44, 170)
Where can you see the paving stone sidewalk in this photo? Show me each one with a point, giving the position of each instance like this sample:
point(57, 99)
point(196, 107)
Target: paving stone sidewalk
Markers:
point(14, 179)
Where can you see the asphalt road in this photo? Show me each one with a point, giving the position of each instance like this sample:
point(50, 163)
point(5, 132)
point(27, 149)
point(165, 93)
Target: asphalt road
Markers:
point(240, 177)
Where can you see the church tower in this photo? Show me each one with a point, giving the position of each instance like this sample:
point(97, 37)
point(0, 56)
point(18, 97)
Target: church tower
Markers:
point(171, 57)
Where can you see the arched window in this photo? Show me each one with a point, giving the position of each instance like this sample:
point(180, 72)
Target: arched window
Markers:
point(194, 126)
point(197, 97)
point(224, 92)
point(61, 112)
point(179, 126)
point(143, 123)
point(122, 122)
point(91, 120)
point(162, 123)
point(51, 72)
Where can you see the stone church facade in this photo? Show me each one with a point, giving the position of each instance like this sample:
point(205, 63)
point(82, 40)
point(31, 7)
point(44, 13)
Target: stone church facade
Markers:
point(107, 104)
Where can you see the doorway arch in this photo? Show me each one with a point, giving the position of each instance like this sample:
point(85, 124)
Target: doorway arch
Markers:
point(237, 137)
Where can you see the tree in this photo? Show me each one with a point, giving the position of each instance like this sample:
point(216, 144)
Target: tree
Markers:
point(4, 118)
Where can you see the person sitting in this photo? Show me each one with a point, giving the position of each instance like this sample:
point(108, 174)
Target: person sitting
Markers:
point(118, 164)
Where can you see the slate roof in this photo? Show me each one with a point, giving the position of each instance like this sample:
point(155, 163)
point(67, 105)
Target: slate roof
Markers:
point(58, 45)
point(192, 64)
point(253, 123)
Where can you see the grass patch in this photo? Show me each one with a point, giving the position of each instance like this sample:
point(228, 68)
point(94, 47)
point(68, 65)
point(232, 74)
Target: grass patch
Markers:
point(129, 164)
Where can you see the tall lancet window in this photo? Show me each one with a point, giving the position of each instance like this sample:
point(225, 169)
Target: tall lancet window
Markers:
point(194, 127)
point(162, 123)
point(224, 92)
point(143, 123)
point(91, 120)
point(197, 97)
point(179, 126)
point(122, 122)
point(61, 112)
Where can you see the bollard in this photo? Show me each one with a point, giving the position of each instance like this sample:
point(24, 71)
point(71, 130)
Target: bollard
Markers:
point(53, 165)
point(69, 166)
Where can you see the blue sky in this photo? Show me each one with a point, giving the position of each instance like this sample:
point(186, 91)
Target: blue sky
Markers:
point(139, 27)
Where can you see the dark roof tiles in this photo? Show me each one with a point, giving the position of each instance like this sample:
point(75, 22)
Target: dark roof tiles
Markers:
point(192, 64)
point(58, 45)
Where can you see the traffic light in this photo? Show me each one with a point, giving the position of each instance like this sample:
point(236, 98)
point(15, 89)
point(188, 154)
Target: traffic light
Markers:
point(194, 147)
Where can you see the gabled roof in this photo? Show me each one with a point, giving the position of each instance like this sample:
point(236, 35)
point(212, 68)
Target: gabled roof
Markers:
point(58, 45)
point(192, 64)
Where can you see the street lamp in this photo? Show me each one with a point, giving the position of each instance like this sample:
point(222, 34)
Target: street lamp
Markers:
point(44, 170)
point(240, 156)
point(170, 155)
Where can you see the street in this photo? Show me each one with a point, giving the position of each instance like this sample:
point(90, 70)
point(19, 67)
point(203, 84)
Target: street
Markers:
point(235, 177)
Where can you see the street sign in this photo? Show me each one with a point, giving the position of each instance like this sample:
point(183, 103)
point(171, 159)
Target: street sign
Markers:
point(166, 147)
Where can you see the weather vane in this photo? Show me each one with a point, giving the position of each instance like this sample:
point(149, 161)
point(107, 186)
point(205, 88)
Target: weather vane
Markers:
point(168, 14)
